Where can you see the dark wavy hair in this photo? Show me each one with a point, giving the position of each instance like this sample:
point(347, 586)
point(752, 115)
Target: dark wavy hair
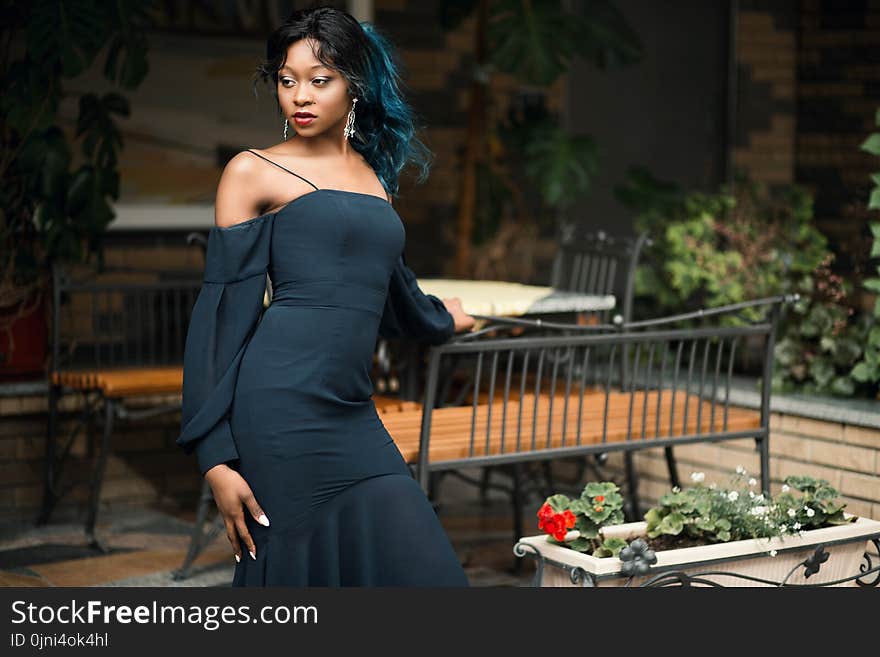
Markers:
point(384, 122)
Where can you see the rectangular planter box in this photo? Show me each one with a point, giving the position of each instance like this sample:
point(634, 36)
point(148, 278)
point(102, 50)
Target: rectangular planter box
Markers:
point(846, 545)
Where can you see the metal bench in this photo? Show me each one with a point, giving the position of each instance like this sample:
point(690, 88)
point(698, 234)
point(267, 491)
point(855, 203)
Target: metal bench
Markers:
point(593, 389)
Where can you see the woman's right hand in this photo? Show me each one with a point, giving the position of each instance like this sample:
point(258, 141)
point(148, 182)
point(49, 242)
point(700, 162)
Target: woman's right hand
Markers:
point(231, 492)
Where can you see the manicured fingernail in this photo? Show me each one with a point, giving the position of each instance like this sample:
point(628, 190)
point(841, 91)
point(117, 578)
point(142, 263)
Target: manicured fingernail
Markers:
point(253, 556)
point(263, 520)
point(237, 558)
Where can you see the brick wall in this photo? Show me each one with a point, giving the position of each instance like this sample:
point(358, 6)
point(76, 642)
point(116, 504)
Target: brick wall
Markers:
point(808, 91)
point(766, 47)
point(838, 96)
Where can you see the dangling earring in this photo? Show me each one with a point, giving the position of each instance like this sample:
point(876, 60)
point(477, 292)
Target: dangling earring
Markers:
point(285, 129)
point(349, 125)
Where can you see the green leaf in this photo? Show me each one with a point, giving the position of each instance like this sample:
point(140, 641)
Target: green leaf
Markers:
point(874, 200)
point(653, 518)
point(613, 545)
point(580, 544)
point(561, 165)
point(873, 284)
point(822, 371)
point(861, 373)
point(872, 144)
point(843, 386)
point(558, 503)
point(577, 507)
point(672, 524)
point(586, 527)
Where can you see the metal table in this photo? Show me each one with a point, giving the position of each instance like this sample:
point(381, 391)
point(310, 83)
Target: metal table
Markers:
point(499, 299)
point(505, 299)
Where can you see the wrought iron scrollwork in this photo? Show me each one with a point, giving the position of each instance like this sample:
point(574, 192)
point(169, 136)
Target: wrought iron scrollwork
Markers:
point(867, 566)
point(811, 566)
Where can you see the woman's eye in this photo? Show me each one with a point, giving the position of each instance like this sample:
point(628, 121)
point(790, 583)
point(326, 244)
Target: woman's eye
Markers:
point(284, 81)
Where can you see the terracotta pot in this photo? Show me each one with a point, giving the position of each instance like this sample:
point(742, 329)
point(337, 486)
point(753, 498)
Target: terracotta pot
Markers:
point(845, 545)
point(24, 355)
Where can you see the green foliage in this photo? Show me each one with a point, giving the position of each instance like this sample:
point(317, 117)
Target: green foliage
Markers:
point(528, 167)
point(536, 42)
point(747, 243)
point(715, 249)
point(559, 163)
point(867, 369)
point(55, 202)
point(717, 515)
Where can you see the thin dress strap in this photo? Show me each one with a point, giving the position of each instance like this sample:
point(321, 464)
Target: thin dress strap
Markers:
point(281, 167)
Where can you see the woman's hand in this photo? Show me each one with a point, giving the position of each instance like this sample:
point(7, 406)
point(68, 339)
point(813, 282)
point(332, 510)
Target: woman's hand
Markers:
point(462, 319)
point(231, 491)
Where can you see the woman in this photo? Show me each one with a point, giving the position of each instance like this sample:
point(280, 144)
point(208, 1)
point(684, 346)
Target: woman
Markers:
point(277, 406)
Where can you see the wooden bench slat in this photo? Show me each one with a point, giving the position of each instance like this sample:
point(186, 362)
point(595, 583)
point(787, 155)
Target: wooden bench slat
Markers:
point(450, 427)
point(124, 382)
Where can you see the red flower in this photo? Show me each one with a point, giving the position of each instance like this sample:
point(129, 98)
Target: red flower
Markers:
point(599, 498)
point(598, 509)
point(560, 532)
point(556, 524)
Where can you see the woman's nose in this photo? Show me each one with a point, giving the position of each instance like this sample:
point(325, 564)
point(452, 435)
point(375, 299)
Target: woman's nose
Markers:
point(300, 96)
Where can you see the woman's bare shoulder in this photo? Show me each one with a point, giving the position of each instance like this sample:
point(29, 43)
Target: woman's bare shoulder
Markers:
point(239, 192)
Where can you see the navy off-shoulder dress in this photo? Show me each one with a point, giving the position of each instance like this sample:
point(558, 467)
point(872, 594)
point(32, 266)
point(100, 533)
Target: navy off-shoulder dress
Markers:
point(283, 395)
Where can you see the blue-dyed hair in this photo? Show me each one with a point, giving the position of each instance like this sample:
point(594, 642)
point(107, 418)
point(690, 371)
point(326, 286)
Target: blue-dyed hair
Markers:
point(384, 122)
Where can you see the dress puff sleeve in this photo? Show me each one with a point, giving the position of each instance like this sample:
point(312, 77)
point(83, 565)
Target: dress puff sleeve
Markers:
point(227, 310)
point(410, 313)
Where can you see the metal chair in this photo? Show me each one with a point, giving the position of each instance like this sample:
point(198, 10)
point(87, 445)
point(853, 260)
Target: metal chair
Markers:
point(598, 263)
point(116, 334)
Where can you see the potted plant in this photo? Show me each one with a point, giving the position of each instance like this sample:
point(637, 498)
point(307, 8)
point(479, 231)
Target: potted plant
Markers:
point(54, 201)
point(704, 535)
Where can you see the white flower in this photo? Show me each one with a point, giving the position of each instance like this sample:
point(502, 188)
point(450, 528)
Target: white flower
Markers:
point(773, 553)
point(751, 494)
point(697, 477)
point(753, 481)
point(759, 497)
point(785, 488)
point(792, 513)
point(810, 512)
point(797, 526)
point(740, 470)
point(759, 510)
point(733, 496)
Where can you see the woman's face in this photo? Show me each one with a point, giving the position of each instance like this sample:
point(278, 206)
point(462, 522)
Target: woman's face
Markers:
point(305, 85)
